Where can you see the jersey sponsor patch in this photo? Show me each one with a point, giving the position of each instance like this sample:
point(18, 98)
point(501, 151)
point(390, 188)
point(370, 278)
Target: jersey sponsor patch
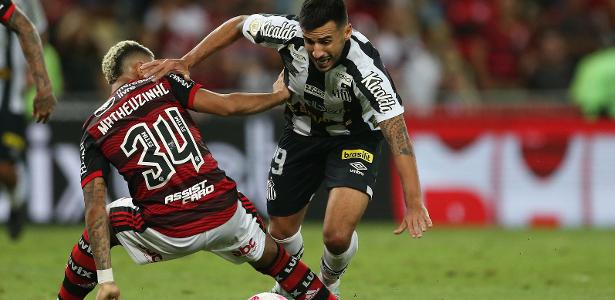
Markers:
point(372, 82)
point(284, 31)
point(310, 89)
point(255, 26)
point(194, 193)
point(344, 78)
point(358, 153)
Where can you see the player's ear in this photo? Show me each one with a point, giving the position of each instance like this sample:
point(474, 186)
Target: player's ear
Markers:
point(348, 31)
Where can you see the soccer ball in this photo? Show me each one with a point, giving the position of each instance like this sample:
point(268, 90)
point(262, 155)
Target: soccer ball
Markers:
point(267, 296)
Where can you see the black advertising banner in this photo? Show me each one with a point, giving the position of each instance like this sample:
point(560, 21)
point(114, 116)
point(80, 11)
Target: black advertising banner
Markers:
point(242, 146)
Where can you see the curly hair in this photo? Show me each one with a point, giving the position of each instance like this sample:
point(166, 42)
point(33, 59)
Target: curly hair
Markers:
point(113, 62)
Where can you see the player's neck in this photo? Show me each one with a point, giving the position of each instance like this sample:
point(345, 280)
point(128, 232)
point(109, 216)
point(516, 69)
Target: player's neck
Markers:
point(120, 82)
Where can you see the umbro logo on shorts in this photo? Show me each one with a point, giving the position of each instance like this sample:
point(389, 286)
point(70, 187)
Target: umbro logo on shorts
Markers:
point(358, 167)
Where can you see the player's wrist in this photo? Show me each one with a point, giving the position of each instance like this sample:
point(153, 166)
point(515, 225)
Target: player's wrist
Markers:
point(104, 276)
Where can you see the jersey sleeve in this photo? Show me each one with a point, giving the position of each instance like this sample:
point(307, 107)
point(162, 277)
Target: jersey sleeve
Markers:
point(271, 31)
point(183, 90)
point(374, 87)
point(93, 162)
point(7, 7)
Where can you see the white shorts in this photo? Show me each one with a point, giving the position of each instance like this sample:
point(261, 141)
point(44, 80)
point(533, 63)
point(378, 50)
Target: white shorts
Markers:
point(240, 239)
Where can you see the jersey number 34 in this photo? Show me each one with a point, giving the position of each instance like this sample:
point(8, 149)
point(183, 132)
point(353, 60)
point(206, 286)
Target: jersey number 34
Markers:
point(162, 164)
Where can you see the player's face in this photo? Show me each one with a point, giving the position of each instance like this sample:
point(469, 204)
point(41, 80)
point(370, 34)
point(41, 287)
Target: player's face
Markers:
point(326, 43)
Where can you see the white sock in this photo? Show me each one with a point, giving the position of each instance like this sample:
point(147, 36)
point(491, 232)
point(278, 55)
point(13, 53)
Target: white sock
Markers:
point(332, 266)
point(293, 244)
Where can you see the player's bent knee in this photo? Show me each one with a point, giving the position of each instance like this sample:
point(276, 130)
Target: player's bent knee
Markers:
point(282, 230)
point(337, 242)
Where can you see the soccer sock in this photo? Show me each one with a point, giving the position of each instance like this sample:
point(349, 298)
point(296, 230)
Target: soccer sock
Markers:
point(80, 273)
point(296, 278)
point(293, 244)
point(332, 266)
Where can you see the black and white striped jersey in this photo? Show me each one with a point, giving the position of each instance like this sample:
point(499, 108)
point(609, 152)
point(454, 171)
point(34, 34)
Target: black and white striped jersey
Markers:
point(351, 98)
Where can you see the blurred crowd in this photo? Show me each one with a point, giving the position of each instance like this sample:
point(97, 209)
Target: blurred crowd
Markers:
point(437, 51)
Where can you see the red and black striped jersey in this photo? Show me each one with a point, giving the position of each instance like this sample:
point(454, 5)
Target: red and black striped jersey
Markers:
point(145, 131)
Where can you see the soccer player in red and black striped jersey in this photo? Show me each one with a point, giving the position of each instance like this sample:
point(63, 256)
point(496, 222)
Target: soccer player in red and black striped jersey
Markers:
point(181, 202)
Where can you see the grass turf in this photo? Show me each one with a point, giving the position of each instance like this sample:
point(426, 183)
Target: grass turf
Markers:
point(445, 264)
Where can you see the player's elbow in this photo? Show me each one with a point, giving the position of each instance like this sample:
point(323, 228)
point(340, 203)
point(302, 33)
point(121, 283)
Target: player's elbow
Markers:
point(228, 108)
point(238, 22)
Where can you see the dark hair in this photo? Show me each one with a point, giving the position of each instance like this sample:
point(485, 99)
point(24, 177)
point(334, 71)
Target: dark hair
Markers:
point(113, 62)
point(316, 13)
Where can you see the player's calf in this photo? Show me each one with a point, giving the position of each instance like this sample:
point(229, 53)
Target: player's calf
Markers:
point(80, 273)
point(296, 278)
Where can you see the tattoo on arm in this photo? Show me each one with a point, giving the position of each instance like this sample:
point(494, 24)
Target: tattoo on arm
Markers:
point(97, 222)
point(32, 48)
point(396, 134)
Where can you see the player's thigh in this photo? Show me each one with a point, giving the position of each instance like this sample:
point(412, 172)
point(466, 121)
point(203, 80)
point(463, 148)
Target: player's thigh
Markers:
point(351, 172)
point(242, 238)
point(297, 169)
point(345, 207)
point(145, 245)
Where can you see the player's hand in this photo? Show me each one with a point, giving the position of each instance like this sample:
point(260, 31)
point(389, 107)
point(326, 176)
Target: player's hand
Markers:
point(44, 104)
point(108, 291)
point(280, 87)
point(160, 67)
point(416, 220)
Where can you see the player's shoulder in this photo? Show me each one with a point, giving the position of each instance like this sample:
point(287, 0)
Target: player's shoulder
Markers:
point(177, 79)
point(362, 52)
point(273, 28)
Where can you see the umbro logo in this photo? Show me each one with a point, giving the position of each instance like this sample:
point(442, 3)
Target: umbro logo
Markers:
point(357, 168)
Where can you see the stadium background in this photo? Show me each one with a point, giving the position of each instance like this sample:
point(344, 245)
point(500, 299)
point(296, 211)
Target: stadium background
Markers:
point(509, 116)
point(509, 103)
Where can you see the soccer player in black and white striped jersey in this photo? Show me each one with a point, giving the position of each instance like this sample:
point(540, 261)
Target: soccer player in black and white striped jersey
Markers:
point(344, 106)
point(20, 32)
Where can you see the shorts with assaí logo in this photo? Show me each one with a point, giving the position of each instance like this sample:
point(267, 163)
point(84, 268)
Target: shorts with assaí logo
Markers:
point(301, 163)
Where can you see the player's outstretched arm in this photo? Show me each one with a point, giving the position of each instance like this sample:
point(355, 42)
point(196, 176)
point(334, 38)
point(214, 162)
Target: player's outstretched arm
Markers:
point(221, 37)
point(240, 103)
point(30, 42)
point(416, 219)
point(97, 224)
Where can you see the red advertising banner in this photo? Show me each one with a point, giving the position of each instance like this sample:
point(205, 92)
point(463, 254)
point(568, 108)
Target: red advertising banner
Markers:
point(530, 167)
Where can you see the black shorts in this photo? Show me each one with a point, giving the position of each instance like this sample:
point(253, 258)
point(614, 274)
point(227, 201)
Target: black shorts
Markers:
point(12, 136)
point(300, 164)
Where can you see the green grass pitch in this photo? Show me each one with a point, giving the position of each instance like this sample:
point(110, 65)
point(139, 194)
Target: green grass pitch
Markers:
point(445, 264)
